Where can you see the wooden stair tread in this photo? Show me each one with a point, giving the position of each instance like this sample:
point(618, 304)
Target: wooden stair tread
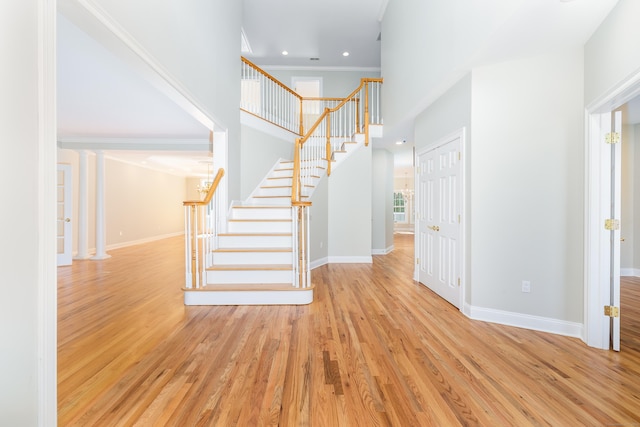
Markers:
point(269, 250)
point(250, 267)
point(256, 234)
point(259, 207)
point(259, 220)
point(273, 197)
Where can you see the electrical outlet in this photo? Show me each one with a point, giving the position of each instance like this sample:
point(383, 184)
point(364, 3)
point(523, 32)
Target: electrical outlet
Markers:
point(526, 286)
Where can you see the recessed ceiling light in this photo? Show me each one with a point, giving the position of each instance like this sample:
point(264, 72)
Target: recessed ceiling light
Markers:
point(345, 53)
point(285, 53)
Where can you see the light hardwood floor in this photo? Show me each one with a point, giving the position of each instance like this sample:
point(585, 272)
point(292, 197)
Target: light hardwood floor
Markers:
point(374, 349)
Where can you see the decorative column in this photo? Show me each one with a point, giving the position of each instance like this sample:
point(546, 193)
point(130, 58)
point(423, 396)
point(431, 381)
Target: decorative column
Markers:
point(83, 207)
point(100, 226)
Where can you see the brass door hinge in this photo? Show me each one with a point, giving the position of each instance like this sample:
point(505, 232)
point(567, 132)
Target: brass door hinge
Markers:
point(417, 260)
point(611, 224)
point(612, 138)
point(611, 311)
point(458, 281)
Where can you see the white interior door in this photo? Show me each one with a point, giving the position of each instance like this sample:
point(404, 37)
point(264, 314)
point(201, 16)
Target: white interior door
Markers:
point(63, 216)
point(438, 213)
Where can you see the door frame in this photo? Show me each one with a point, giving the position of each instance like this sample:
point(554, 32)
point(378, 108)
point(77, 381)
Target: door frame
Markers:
point(462, 251)
point(596, 280)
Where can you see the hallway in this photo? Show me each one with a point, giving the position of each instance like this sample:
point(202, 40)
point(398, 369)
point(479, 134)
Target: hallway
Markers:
point(375, 348)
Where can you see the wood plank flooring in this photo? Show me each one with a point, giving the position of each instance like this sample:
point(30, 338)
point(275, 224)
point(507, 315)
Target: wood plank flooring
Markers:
point(374, 349)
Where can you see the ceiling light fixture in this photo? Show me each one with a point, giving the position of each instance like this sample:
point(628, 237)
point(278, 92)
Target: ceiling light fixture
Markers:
point(345, 53)
point(285, 53)
point(401, 141)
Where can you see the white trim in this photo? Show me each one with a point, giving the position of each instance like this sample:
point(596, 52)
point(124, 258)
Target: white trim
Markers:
point(47, 274)
point(536, 323)
point(135, 144)
point(382, 251)
point(318, 263)
point(596, 284)
point(633, 272)
point(145, 240)
point(350, 260)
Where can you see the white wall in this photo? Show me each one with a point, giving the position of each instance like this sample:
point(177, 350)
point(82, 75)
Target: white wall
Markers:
point(427, 46)
point(140, 204)
point(350, 209)
point(335, 84)
point(23, 270)
point(527, 177)
point(259, 152)
point(610, 56)
point(319, 224)
point(381, 201)
point(450, 113)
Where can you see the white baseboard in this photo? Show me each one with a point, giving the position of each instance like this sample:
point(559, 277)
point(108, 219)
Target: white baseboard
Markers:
point(635, 272)
point(350, 260)
point(318, 263)
point(145, 240)
point(92, 251)
point(382, 251)
point(526, 321)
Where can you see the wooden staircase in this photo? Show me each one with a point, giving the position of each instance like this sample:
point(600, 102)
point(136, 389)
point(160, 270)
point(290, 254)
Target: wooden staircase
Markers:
point(253, 263)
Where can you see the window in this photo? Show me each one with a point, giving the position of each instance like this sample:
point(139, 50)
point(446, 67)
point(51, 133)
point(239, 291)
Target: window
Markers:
point(399, 214)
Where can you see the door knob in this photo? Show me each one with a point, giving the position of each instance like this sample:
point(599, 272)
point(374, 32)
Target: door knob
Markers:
point(67, 220)
point(434, 227)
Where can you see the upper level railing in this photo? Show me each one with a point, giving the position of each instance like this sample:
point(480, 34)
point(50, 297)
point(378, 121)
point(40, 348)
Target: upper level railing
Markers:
point(264, 96)
point(336, 125)
point(201, 233)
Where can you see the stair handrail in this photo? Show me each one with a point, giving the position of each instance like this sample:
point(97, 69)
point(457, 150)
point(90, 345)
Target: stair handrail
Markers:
point(322, 129)
point(275, 102)
point(201, 233)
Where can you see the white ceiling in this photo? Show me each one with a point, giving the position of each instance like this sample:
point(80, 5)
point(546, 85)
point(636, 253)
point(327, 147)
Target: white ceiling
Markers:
point(314, 29)
point(100, 97)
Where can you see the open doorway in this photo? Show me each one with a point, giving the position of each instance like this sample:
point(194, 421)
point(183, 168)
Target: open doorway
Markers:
point(609, 233)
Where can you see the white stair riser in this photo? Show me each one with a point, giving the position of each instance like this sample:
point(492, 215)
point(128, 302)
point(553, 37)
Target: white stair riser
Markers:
point(279, 181)
point(266, 297)
point(274, 191)
point(261, 213)
point(249, 276)
point(251, 258)
point(282, 173)
point(259, 227)
point(254, 241)
point(277, 201)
